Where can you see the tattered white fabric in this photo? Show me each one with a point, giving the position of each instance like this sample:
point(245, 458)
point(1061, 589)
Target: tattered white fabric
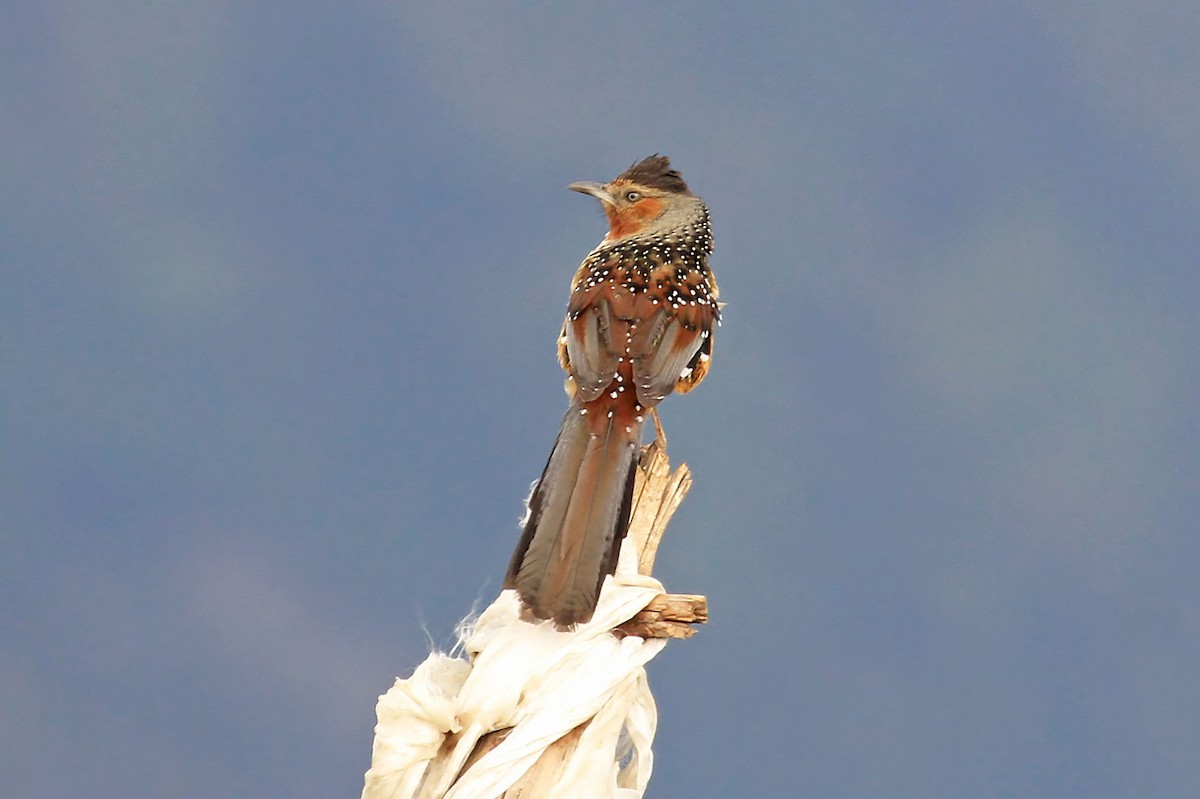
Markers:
point(540, 682)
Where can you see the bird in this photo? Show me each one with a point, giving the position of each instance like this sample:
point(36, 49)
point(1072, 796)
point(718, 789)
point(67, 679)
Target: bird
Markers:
point(641, 317)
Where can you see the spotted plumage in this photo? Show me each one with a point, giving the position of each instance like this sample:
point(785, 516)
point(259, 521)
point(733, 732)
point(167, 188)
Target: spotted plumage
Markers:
point(640, 320)
point(670, 271)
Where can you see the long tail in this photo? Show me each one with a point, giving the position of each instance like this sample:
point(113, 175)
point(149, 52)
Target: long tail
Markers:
point(578, 515)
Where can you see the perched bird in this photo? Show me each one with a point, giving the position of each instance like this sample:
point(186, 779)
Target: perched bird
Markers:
point(640, 323)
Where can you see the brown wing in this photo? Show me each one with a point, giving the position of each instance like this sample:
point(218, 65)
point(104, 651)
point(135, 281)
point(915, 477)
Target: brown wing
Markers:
point(590, 353)
point(709, 316)
point(661, 319)
point(697, 368)
point(606, 305)
point(667, 351)
point(672, 351)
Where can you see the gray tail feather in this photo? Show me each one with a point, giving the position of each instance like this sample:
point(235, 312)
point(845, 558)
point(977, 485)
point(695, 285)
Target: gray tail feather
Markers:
point(578, 516)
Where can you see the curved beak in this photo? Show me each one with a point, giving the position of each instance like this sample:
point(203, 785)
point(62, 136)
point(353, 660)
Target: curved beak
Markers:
point(597, 190)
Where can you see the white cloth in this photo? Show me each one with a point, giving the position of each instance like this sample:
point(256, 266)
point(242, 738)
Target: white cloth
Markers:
point(540, 682)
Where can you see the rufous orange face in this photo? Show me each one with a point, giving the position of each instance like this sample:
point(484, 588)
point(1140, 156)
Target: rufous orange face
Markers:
point(627, 218)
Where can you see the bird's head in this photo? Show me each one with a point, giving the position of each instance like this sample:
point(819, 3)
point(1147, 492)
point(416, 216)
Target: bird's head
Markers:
point(648, 199)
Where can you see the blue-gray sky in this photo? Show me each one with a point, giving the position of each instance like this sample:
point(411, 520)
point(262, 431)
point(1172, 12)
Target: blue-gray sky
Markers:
point(278, 302)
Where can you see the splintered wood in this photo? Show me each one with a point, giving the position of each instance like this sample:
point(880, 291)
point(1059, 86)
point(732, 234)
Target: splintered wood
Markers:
point(667, 616)
point(657, 494)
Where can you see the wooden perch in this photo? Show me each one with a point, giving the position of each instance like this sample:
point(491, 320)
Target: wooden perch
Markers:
point(667, 616)
point(657, 494)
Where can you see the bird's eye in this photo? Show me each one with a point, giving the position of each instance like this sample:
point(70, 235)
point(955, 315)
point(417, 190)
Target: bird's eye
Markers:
point(632, 196)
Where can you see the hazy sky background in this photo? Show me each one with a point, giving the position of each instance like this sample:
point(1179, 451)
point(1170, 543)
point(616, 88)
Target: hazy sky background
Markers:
point(279, 295)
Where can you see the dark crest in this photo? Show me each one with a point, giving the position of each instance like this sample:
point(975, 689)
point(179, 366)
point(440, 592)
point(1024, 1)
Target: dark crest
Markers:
point(656, 173)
